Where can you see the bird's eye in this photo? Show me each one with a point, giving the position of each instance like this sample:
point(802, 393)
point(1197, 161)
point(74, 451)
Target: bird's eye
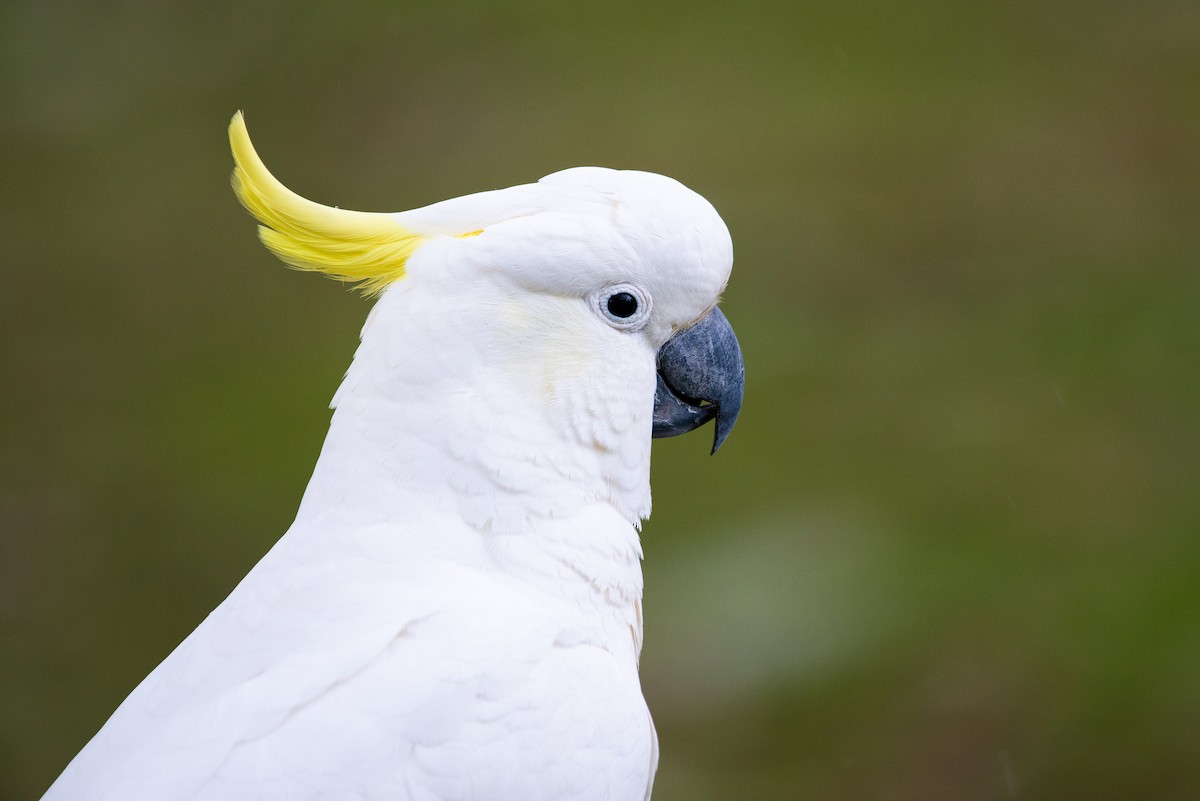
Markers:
point(623, 306)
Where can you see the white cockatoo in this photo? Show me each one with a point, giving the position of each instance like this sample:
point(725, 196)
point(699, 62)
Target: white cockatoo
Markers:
point(456, 611)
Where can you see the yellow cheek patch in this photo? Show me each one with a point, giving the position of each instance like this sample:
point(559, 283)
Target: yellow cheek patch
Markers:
point(354, 246)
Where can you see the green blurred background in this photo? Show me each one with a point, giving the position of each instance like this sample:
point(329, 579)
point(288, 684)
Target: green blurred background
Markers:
point(952, 550)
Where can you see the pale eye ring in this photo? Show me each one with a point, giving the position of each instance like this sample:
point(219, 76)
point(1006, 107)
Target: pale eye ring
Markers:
point(623, 306)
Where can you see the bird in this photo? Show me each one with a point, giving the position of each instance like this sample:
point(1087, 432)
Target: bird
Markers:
point(456, 611)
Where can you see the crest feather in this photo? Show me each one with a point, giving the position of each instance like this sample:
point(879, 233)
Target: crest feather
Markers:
point(352, 246)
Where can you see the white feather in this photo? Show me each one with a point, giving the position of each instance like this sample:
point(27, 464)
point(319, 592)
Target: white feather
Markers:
point(456, 612)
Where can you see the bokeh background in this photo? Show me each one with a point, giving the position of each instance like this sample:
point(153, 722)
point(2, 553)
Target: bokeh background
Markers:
point(952, 550)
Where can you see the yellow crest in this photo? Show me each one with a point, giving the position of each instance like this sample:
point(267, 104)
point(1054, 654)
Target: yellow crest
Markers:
point(347, 245)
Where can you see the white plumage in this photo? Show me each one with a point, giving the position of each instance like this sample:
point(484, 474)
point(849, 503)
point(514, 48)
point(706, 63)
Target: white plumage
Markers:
point(456, 611)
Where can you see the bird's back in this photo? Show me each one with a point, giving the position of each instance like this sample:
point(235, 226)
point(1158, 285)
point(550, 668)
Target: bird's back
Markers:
point(372, 664)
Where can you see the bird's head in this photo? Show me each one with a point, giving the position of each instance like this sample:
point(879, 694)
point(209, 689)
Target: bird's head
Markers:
point(588, 298)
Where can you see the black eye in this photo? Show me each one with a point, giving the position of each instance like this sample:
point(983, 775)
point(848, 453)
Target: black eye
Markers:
point(622, 304)
point(625, 307)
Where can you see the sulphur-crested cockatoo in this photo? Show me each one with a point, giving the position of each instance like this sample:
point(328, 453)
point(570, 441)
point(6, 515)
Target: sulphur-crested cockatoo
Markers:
point(456, 611)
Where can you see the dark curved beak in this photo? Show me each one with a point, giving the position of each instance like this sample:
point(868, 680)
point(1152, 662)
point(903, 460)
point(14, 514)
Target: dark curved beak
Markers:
point(700, 378)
